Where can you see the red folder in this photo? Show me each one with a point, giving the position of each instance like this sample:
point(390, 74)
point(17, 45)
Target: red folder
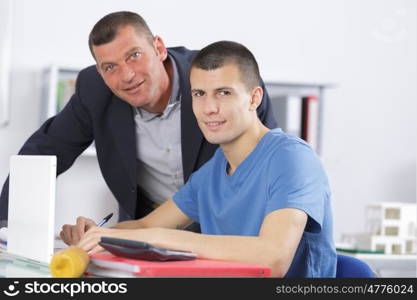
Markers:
point(190, 268)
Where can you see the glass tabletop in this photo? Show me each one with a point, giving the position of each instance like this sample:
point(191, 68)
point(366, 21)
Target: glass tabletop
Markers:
point(11, 266)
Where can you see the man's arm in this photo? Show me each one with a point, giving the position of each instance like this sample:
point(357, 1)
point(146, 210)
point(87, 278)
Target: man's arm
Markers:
point(168, 215)
point(275, 245)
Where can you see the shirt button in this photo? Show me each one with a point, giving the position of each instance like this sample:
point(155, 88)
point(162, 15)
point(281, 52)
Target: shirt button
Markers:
point(168, 150)
point(133, 190)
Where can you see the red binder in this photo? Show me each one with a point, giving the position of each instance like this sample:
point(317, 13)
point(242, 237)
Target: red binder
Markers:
point(310, 120)
point(190, 268)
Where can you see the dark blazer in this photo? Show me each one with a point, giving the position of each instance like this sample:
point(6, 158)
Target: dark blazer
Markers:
point(94, 113)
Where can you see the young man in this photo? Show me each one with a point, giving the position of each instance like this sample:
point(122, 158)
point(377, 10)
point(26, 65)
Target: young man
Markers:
point(137, 92)
point(263, 197)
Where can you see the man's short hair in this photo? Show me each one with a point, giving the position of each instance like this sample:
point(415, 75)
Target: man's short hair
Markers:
point(218, 54)
point(107, 27)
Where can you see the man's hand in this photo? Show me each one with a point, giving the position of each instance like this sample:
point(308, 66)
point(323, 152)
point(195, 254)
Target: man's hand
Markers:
point(89, 241)
point(72, 234)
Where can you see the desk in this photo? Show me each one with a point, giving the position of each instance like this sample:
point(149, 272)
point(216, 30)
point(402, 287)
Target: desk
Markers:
point(9, 267)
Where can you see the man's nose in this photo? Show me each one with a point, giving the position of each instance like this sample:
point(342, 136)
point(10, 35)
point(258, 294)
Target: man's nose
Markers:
point(127, 73)
point(211, 106)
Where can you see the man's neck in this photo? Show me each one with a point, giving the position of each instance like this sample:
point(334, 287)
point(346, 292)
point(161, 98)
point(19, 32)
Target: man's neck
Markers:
point(238, 150)
point(167, 77)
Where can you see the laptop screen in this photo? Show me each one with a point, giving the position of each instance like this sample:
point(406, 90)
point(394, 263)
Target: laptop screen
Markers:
point(32, 191)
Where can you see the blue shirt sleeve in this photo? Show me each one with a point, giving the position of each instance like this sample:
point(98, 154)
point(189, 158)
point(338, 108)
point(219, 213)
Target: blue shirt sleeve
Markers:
point(186, 198)
point(298, 181)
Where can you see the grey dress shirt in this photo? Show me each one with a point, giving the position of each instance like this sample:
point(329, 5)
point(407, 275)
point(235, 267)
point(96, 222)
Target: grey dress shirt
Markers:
point(158, 147)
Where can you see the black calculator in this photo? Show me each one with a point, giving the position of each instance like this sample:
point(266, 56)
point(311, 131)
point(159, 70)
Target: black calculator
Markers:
point(142, 250)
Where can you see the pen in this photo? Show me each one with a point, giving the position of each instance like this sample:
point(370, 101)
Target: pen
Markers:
point(105, 220)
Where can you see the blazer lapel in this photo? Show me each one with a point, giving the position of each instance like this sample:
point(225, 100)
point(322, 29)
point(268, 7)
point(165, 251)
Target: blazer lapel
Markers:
point(191, 136)
point(123, 130)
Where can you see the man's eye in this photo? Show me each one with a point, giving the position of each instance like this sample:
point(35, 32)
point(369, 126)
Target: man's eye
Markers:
point(108, 68)
point(198, 94)
point(135, 55)
point(224, 93)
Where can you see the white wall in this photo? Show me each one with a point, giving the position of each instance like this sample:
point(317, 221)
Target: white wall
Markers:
point(366, 47)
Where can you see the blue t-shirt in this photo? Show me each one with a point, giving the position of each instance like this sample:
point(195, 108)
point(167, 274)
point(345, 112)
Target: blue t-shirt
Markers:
point(281, 172)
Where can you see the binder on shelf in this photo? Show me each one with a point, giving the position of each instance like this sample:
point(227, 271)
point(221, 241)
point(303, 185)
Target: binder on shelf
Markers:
point(105, 264)
point(310, 120)
point(289, 111)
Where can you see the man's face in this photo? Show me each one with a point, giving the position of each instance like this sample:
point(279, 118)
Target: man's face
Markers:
point(132, 67)
point(222, 104)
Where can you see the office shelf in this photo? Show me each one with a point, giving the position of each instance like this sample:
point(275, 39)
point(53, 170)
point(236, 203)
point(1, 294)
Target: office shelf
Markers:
point(298, 109)
point(58, 87)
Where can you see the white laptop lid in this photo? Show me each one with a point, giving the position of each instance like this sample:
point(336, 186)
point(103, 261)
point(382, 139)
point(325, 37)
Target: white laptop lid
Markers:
point(32, 207)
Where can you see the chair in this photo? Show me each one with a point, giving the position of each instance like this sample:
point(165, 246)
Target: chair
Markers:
point(352, 267)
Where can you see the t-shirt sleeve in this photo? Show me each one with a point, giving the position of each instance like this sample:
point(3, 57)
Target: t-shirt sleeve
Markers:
point(186, 197)
point(298, 181)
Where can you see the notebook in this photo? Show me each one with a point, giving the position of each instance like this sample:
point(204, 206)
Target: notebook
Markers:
point(31, 219)
point(188, 268)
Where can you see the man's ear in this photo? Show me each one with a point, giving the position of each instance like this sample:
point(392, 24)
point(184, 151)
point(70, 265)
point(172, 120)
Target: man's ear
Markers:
point(256, 98)
point(160, 48)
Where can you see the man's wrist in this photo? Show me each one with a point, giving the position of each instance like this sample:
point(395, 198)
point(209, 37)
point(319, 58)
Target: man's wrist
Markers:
point(131, 224)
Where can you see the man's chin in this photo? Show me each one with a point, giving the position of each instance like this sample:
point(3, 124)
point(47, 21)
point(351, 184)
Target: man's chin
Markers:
point(134, 101)
point(215, 140)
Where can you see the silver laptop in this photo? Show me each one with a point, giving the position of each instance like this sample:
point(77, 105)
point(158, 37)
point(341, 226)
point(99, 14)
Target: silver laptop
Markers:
point(32, 191)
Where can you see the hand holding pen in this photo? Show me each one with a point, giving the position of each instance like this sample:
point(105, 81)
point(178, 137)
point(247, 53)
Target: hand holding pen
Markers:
point(72, 234)
point(105, 220)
